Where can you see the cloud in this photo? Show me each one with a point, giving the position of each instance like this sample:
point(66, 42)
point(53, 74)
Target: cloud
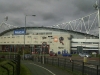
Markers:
point(48, 12)
point(84, 5)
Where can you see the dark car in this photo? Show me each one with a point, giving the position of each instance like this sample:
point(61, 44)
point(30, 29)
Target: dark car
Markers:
point(2, 56)
point(27, 56)
point(53, 54)
point(67, 54)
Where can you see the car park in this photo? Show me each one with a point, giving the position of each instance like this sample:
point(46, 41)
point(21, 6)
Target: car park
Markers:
point(67, 54)
point(53, 54)
point(28, 56)
point(84, 55)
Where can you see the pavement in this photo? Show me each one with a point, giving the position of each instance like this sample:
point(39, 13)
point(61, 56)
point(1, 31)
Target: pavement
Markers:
point(37, 68)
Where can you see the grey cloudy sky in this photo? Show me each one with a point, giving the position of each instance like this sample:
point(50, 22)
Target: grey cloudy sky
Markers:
point(48, 12)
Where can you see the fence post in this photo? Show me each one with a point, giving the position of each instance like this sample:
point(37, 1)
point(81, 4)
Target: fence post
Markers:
point(72, 65)
point(83, 68)
point(18, 65)
point(33, 58)
point(44, 59)
point(58, 62)
point(47, 60)
point(41, 59)
point(64, 63)
point(97, 70)
point(52, 60)
point(38, 59)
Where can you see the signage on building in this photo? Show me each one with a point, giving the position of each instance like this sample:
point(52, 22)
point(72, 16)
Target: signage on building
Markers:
point(61, 39)
point(44, 44)
point(55, 39)
point(19, 32)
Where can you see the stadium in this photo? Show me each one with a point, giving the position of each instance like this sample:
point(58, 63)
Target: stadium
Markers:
point(55, 39)
point(72, 37)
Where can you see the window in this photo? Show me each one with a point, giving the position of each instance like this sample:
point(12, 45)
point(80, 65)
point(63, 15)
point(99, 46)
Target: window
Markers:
point(74, 42)
point(28, 42)
point(17, 36)
point(41, 33)
point(49, 41)
point(95, 42)
point(13, 37)
point(18, 42)
point(27, 33)
point(29, 36)
point(44, 37)
point(48, 33)
point(12, 42)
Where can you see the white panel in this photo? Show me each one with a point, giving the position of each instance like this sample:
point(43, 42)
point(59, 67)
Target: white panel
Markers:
point(85, 45)
point(85, 40)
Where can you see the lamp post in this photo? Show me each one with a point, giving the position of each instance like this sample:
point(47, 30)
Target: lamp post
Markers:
point(44, 44)
point(25, 32)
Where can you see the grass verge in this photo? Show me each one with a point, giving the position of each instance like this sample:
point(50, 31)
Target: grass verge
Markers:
point(24, 70)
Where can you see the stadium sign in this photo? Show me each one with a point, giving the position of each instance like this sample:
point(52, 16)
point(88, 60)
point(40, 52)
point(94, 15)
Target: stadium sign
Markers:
point(19, 32)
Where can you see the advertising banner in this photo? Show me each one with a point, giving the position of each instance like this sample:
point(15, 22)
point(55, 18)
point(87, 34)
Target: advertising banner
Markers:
point(19, 32)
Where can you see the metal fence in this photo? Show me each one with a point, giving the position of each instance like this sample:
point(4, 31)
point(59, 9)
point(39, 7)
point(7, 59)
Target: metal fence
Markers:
point(11, 66)
point(79, 67)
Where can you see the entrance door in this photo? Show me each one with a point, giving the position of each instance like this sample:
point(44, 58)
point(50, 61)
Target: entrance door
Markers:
point(38, 49)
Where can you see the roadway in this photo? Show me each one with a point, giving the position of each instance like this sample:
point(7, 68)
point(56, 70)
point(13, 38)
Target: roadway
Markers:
point(37, 68)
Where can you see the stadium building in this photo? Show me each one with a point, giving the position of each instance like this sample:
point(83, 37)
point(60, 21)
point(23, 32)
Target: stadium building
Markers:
point(32, 38)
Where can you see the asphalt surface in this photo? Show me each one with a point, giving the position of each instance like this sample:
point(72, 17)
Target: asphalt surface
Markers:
point(37, 68)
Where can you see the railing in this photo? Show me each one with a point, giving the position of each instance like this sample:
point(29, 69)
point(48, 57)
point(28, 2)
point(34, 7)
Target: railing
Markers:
point(79, 67)
point(11, 65)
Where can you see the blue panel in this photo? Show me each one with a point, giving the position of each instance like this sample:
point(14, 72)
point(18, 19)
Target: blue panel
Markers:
point(19, 32)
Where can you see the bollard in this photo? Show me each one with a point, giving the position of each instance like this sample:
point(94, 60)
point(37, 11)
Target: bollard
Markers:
point(85, 59)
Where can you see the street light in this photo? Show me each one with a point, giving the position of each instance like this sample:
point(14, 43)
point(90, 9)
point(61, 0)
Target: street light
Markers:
point(25, 32)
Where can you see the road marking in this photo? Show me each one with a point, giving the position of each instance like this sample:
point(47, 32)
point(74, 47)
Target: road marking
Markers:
point(44, 68)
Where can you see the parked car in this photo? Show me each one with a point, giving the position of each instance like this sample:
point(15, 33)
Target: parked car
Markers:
point(84, 55)
point(53, 54)
point(28, 56)
point(67, 54)
point(2, 56)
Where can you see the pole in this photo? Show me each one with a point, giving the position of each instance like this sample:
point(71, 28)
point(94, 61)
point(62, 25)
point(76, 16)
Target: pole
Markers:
point(14, 51)
point(24, 36)
point(99, 23)
point(43, 56)
point(99, 28)
point(25, 32)
point(9, 52)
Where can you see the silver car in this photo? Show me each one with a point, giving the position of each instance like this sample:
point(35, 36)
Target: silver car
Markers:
point(84, 55)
